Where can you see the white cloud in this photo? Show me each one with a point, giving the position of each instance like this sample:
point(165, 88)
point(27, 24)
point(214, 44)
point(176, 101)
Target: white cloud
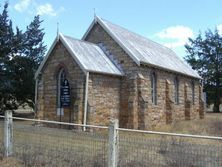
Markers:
point(175, 44)
point(46, 9)
point(219, 28)
point(178, 35)
point(32, 7)
point(22, 5)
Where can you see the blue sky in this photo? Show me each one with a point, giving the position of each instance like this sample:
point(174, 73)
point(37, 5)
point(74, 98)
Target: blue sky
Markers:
point(169, 22)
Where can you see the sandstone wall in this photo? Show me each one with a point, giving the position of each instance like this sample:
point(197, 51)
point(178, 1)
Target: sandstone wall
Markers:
point(127, 117)
point(103, 99)
point(47, 88)
point(136, 108)
point(166, 110)
point(103, 92)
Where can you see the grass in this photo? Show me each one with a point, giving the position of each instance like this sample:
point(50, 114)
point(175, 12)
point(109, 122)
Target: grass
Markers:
point(42, 146)
point(11, 162)
point(210, 125)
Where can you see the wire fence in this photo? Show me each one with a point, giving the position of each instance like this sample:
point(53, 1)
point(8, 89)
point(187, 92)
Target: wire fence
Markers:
point(59, 147)
point(62, 144)
point(150, 150)
point(56, 146)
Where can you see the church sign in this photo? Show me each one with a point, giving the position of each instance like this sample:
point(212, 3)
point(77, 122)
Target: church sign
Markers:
point(65, 94)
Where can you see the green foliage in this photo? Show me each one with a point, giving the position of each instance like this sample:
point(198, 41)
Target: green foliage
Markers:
point(205, 56)
point(7, 99)
point(34, 46)
point(20, 55)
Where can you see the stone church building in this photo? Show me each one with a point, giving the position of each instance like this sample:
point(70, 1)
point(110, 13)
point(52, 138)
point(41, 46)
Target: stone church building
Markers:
point(115, 73)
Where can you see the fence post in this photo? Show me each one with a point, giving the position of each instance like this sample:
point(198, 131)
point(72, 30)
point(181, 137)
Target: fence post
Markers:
point(8, 137)
point(113, 144)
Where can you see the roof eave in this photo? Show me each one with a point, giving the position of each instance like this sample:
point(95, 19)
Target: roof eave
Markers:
point(166, 69)
point(73, 54)
point(106, 73)
point(70, 50)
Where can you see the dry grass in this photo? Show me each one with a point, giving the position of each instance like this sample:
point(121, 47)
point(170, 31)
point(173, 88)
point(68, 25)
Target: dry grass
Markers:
point(11, 162)
point(157, 150)
point(210, 125)
point(43, 146)
point(56, 147)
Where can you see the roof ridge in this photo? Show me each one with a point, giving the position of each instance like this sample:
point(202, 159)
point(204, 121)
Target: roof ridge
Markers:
point(66, 36)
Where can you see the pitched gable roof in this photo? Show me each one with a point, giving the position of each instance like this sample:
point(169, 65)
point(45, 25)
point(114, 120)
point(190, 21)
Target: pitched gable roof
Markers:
point(143, 50)
point(89, 56)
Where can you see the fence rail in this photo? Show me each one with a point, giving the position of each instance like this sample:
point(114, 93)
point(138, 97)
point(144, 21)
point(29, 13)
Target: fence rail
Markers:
point(50, 143)
point(171, 134)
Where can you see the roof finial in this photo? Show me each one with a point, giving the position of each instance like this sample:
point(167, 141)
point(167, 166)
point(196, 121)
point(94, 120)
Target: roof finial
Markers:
point(57, 31)
point(57, 28)
point(94, 12)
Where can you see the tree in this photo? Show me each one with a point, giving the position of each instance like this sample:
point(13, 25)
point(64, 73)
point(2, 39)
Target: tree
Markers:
point(7, 98)
point(34, 46)
point(26, 63)
point(20, 56)
point(204, 54)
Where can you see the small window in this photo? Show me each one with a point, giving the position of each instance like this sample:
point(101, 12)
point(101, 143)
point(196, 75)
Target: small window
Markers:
point(176, 90)
point(60, 78)
point(193, 91)
point(154, 88)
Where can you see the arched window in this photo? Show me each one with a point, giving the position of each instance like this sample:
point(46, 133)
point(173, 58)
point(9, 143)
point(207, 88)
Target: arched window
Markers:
point(176, 90)
point(60, 78)
point(154, 88)
point(193, 91)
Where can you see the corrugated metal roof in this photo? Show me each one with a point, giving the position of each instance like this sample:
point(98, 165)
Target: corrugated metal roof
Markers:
point(143, 50)
point(88, 56)
point(91, 57)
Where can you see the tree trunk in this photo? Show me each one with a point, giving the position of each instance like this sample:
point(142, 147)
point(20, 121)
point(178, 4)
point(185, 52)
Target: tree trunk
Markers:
point(216, 106)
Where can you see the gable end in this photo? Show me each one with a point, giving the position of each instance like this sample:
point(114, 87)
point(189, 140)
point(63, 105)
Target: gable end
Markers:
point(115, 38)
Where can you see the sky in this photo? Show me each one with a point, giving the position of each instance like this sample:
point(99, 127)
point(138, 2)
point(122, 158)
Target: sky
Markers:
point(168, 22)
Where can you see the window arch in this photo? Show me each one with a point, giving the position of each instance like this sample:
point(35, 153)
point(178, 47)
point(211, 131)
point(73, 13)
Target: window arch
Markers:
point(193, 91)
point(154, 88)
point(60, 78)
point(176, 90)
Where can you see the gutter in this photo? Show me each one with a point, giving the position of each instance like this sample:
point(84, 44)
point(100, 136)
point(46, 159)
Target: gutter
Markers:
point(86, 101)
point(172, 71)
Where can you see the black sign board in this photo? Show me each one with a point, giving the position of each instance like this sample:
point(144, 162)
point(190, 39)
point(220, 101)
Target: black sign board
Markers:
point(65, 94)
